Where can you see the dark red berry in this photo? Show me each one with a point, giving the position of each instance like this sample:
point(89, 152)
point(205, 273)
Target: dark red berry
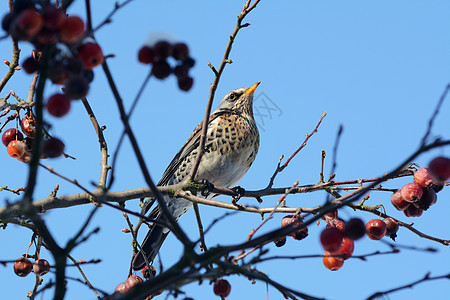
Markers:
point(162, 50)
point(7, 21)
point(185, 83)
point(161, 69)
point(57, 71)
point(10, 135)
point(58, 105)
point(439, 168)
point(52, 148)
point(41, 267)
point(76, 87)
point(376, 229)
point(331, 239)
point(91, 55)
point(413, 211)
point(53, 18)
point(30, 65)
point(222, 288)
point(429, 198)
point(146, 55)
point(22, 267)
point(181, 71)
point(180, 51)
point(355, 229)
point(391, 227)
point(412, 192)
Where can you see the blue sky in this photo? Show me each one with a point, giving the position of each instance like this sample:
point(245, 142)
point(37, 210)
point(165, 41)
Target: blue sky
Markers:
point(377, 68)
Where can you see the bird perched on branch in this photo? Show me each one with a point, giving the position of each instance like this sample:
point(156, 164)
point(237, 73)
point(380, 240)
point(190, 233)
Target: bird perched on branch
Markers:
point(231, 145)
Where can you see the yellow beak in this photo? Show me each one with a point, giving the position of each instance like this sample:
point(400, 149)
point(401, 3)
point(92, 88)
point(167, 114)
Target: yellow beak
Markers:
point(252, 89)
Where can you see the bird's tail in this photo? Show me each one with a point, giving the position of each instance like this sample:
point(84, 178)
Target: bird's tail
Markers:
point(150, 247)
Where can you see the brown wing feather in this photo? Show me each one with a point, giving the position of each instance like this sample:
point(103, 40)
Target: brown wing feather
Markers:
point(191, 144)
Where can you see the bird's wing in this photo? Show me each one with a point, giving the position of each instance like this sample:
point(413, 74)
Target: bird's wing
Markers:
point(191, 144)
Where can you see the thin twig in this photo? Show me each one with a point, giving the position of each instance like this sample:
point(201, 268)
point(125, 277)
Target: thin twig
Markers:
point(427, 277)
point(86, 280)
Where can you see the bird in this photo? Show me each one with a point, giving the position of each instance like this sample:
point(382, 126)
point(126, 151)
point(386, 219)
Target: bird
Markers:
point(232, 142)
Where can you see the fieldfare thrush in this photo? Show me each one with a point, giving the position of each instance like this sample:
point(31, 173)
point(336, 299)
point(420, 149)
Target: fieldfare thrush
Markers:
point(231, 146)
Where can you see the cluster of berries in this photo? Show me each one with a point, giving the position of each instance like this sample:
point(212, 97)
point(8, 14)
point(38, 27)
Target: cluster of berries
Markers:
point(72, 56)
point(158, 54)
point(296, 221)
point(20, 147)
point(338, 237)
point(415, 197)
point(23, 267)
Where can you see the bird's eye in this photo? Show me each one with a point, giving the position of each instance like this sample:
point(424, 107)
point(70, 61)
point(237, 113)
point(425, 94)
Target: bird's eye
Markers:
point(233, 96)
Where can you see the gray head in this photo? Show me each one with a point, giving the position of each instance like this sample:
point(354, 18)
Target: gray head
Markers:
point(239, 100)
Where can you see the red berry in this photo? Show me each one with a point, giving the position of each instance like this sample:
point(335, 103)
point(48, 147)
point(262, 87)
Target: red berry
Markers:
point(161, 69)
point(398, 201)
point(53, 17)
point(146, 54)
point(91, 54)
point(28, 126)
point(162, 50)
point(422, 177)
point(376, 229)
point(391, 227)
point(41, 267)
point(22, 267)
point(439, 168)
point(412, 192)
point(71, 30)
point(121, 288)
point(58, 105)
point(52, 148)
point(76, 87)
point(331, 262)
point(28, 23)
point(222, 288)
point(180, 51)
point(413, 211)
point(355, 229)
point(185, 83)
point(16, 149)
point(132, 281)
point(10, 135)
point(346, 249)
point(331, 239)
